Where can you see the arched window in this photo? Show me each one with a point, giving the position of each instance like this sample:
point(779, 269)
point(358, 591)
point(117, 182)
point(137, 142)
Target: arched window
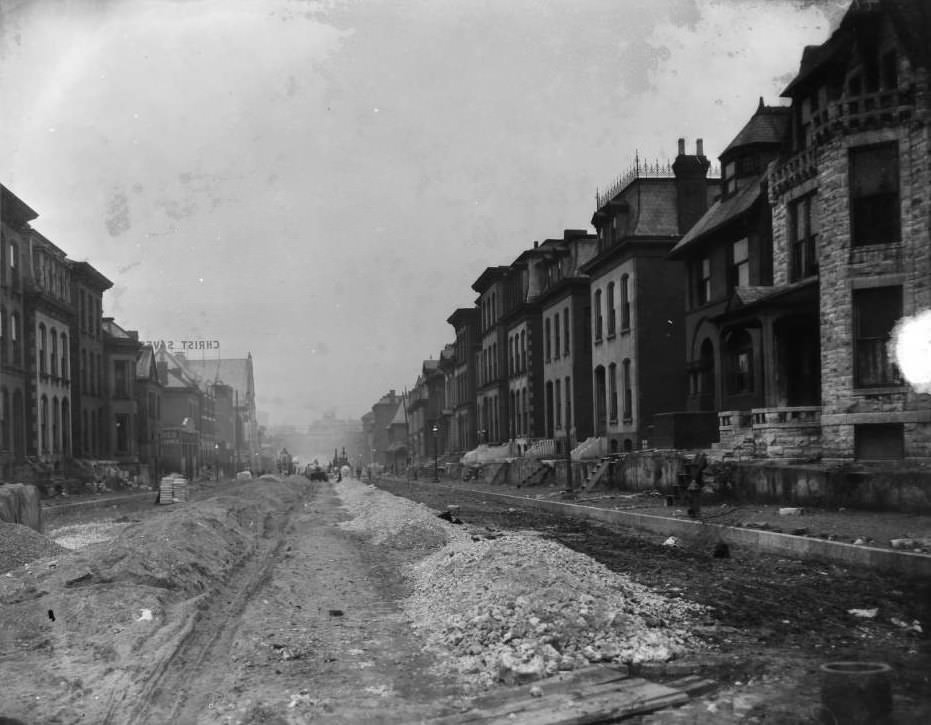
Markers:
point(565, 330)
point(16, 357)
point(612, 315)
point(568, 403)
point(599, 320)
point(628, 393)
point(557, 348)
point(526, 414)
point(628, 445)
point(523, 350)
point(625, 302)
point(54, 359)
point(43, 357)
point(547, 339)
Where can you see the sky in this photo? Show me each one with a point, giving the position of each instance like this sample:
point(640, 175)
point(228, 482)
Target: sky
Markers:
point(320, 183)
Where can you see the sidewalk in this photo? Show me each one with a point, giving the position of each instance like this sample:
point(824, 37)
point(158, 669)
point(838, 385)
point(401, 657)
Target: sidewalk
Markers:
point(812, 533)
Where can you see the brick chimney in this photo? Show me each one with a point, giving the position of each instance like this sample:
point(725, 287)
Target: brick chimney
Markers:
point(691, 185)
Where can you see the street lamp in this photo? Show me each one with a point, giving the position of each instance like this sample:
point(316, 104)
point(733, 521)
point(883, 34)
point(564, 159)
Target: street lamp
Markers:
point(436, 476)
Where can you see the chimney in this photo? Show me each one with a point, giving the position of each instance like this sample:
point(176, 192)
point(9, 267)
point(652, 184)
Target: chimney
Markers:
point(691, 185)
point(536, 244)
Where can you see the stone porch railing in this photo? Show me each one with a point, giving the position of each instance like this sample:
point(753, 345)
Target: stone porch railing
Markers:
point(590, 448)
point(788, 432)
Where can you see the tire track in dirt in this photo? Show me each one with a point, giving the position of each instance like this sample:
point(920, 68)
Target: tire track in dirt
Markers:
point(178, 689)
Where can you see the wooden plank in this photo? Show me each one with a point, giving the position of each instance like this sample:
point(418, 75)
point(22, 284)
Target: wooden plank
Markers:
point(692, 685)
point(642, 698)
point(556, 689)
point(625, 695)
point(560, 682)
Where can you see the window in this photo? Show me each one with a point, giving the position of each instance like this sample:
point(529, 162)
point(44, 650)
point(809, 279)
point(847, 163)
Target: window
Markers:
point(523, 350)
point(525, 410)
point(803, 235)
point(879, 441)
point(3, 334)
point(730, 178)
point(43, 424)
point(625, 302)
point(612, 318)
point(43, 358)
point(64, 356)
point(546, 338)
point(120, 379)
point(875, 313)
point(874, 195)
point(599, 320)
point(512, 343)
point(14, 339)
point(56, 424)
point(740, 263)
point(890, 71)
point(557, 348)
point(54, 353)
point(558, 404)
point(740, 363)
point(568, 389)
point(4, 419)
point(122, 433)
point(565, 330)
point(612, 392)
point(628, 393)
point(14, 266)
point(704, 280)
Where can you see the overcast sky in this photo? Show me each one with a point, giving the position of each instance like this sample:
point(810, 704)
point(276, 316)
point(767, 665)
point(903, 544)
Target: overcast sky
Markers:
point(320, 183)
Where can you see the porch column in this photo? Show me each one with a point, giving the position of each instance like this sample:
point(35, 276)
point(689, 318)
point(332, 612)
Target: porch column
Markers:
point(770, 391)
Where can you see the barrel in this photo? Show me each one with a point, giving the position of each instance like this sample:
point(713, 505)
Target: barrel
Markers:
point(858, 693)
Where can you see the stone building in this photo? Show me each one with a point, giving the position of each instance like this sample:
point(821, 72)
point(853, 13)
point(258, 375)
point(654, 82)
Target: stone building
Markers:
point(637, 296)
point(15, 216)
point(121, 350)
point(492, 383)
point(751, 345)
point(89, 393)
point(851, 202)
point(47, 315)
point(562, 291)
point(466, 350)
point(181, 406)
point(382, 414)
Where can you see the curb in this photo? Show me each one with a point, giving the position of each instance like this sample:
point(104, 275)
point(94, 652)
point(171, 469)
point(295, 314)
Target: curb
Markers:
point(770, 542)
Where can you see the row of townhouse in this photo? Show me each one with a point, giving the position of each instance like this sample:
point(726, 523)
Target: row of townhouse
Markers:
point(76, 388)
point(751, 311)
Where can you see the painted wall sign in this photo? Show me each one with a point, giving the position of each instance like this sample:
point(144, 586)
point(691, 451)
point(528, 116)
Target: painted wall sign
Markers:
point(185, 345)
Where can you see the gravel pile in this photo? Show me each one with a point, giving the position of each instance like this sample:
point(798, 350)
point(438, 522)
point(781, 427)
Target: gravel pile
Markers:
point(20, 545)
point(516, 607)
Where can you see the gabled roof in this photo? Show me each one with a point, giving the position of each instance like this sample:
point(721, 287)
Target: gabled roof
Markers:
point(400, 414)
point(767, 126)
point(173, 372)
point(910, 18)
point(13, 209)
point(720, 213)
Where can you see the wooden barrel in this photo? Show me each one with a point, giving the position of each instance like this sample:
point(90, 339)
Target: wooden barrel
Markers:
point(858, 693)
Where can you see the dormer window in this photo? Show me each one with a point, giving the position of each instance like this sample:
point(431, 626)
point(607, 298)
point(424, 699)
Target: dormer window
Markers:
point(730, 178)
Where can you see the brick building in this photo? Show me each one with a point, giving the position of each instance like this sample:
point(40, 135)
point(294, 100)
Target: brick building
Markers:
point(492, 385)
point(636, 296)
point(851, 204)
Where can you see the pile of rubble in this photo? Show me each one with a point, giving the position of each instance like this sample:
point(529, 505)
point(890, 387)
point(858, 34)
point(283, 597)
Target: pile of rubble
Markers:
point(517, 607)
point(19, 544)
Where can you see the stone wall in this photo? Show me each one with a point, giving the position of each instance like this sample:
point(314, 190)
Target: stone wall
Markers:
point(19, 504)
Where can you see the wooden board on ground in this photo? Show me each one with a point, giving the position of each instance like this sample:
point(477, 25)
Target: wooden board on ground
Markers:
point(594, 694)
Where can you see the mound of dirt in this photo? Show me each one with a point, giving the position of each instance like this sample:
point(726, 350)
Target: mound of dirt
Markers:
point(106, 615)
point(20, 544)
